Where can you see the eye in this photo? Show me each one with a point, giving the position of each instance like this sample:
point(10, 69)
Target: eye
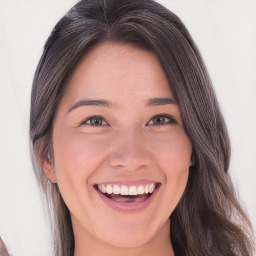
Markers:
point(94, 121)
point(162, 119)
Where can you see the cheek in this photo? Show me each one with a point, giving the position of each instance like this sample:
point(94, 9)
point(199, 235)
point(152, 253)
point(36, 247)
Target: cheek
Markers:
point(77, 154)
point(76, 158)
point(174, 158)
point(173, 152)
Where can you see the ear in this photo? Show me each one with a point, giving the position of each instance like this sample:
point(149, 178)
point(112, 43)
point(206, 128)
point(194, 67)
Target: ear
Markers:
point(44, 160)
point(49, 171)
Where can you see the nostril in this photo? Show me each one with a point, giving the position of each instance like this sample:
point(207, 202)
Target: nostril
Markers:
point(130, 154)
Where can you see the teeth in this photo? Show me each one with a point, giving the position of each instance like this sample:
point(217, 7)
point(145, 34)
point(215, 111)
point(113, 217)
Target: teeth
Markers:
point(132, 191)
point(116, 189)
point(109, 189)
point(151, 187)
point(146, 189)
point(140, 190)
point(125, 190)
point(103, 189)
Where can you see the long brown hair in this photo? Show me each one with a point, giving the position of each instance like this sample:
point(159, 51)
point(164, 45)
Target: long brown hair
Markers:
point(208, 219)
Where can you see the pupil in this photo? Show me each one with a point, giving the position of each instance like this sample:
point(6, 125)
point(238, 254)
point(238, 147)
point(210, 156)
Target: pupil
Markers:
point(95, 121)
point(158, 120)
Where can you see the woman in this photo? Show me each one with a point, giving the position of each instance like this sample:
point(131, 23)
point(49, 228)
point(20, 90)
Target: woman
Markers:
point(132, 150)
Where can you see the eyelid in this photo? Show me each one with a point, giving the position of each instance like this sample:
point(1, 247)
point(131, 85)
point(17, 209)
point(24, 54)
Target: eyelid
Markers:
point(83, 123)
point(171, 118)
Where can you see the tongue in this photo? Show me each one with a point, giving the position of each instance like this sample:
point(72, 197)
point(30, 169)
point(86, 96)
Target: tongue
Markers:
point(129, 199)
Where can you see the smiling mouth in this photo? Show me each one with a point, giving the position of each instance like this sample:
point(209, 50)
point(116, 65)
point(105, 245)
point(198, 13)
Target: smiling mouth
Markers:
point(127, 194)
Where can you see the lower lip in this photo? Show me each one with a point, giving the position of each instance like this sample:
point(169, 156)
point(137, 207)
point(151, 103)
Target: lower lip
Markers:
point(128, 207)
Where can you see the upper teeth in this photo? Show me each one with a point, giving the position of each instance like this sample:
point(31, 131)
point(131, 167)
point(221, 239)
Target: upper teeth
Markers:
point(125, 190)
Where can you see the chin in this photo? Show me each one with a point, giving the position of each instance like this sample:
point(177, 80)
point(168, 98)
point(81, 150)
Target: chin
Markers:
point(128, 241)
point(130, 236)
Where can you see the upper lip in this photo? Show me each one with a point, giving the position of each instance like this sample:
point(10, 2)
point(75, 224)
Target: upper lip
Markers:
point(128, 182)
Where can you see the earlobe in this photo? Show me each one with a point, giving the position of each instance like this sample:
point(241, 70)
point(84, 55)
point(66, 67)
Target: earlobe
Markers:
point(44, 161)
point(49, 171)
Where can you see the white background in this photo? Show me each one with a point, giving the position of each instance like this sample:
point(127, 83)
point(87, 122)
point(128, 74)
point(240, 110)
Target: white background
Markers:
point(225, 32)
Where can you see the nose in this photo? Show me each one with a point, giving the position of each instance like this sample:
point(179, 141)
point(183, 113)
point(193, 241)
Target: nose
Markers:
point(130, 152)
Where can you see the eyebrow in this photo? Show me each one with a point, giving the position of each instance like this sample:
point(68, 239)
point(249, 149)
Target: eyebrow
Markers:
point(160, 101)
point(109, 104)
point(92, 102)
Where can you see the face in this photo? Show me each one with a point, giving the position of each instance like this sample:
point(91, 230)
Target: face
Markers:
point(119, 130)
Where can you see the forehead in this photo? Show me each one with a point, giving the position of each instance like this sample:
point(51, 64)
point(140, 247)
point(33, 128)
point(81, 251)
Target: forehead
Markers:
point(118, 72)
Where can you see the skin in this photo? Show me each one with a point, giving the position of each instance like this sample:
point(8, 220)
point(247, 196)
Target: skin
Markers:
point(127, 145)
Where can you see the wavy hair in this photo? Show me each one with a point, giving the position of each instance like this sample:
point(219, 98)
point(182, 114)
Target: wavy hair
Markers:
point(208, 220)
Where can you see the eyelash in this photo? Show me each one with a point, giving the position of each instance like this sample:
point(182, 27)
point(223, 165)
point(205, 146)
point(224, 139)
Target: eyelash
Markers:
point(171, 120)
point(91, 118)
